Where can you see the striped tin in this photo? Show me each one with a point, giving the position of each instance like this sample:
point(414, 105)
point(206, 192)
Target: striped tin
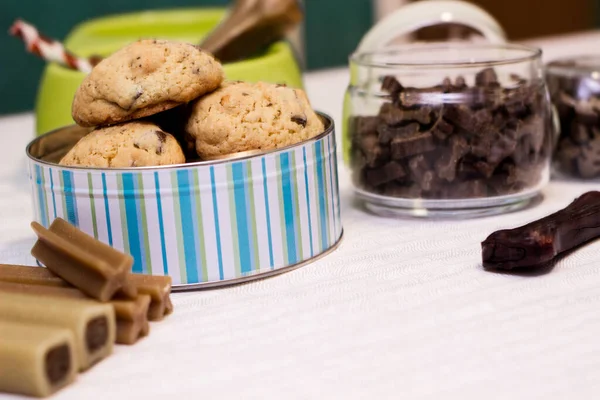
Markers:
point(204, 223)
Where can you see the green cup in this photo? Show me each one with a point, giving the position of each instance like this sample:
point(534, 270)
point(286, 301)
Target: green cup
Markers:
point(103, 36)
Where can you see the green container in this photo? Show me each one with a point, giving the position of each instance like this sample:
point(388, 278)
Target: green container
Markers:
point(105, 35)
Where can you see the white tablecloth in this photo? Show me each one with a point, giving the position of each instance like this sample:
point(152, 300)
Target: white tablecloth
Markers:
point(403, 309)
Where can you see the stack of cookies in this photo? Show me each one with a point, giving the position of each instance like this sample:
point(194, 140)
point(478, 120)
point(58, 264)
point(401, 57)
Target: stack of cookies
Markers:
point(156, 102)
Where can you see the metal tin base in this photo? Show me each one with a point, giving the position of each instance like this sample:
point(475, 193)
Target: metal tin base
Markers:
point(262, 275)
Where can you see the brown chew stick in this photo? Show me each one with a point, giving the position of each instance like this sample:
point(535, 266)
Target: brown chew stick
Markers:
point(541, 241)
point(92, 323)
point(250, 26)
point(35, 360)
point(93, 267)
point(131, 315)
point(157, 287)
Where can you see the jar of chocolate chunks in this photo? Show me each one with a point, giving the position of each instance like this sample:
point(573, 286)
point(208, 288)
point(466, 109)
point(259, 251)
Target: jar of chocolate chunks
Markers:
point(574, 86)
point(447, 129)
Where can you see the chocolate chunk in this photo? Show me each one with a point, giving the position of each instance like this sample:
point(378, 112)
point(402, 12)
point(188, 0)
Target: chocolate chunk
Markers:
point(421, 172)
point(391, 85)
point(300, 120)
point(445, 166)
point(410, 146)
point(387, 133)
point(389, 172)
point(588, 163)
point(541, 241)
point(460, 83)
point(162, 136)
point(375, 155)
point(138, 93)
point(442, 129)
point(366, 125)
point(393, 115)
point(486, 77)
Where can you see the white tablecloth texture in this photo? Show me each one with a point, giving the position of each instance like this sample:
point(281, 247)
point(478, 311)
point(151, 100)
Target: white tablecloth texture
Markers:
point(401, 310)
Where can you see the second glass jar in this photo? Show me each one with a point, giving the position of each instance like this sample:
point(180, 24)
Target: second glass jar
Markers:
point(447, 129)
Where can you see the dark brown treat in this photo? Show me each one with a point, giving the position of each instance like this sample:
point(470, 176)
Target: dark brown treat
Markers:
point(421, 172)
point(96, 334)
point(93, 267)
point(392, 115)
point(442, 129)
point(486, 77)
point(445, 165)
point(460, 83)
point(391, 85)
point(463, 117)
point(389, 172)
point(366, 125)
point(387, 133)
point(395, 189)
point(410, 146)
point(375, 155)
point(588, 163)
point(541, 241)
point(580, 133)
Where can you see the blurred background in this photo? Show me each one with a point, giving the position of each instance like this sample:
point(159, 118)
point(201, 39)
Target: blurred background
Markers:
point(332, 29)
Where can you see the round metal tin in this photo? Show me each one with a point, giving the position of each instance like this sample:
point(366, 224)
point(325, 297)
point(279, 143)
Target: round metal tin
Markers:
point(206, 223)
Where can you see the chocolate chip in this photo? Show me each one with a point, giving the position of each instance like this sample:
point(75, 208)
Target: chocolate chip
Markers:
point(138, 93)
point(162, 136)
point(300, 120)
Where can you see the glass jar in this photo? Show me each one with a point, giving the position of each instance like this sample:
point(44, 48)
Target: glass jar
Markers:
point(447, 129)
point(574, 86)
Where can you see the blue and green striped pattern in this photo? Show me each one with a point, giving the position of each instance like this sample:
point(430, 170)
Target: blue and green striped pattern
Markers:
point(204, 223)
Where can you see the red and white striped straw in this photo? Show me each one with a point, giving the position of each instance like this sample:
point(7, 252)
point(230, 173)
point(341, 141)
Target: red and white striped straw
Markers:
point(50, 49)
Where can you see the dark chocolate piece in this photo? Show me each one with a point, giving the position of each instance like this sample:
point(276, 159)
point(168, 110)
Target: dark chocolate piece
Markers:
point(541, 241)
point(410, 146)
point(300, 120)
point(391, 85)
point(389, 172)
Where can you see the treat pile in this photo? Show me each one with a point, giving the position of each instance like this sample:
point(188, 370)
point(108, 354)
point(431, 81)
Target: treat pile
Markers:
point(452, 140)
point(156, 102)
point(64, 318)
point(578, 104)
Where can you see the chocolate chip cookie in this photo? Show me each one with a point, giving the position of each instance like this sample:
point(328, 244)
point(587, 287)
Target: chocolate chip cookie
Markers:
point(144, 78)
point(242, 116)
point(131, 144)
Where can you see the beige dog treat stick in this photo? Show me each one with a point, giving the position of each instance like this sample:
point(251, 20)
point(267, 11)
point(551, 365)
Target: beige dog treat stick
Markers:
point(250, 26)
point(157, 287)
point(92, 323)
point(35, 360)
point(93, 267)
point(131, 315)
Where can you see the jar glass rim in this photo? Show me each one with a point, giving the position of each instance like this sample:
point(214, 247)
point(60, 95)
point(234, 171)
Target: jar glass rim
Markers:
point(364, 58)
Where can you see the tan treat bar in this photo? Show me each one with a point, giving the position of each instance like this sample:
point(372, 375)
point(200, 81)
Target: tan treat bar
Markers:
point(35, 360)
point(30, 276)
point(93, 267)
point(92, 323)
point(131, 315)
point(157, 287)
point(159, 290)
